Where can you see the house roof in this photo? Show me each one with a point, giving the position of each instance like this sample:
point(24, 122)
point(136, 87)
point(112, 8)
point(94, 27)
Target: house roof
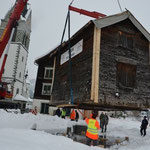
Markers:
point(104, 22)
point(113, 19)
point(19, 97)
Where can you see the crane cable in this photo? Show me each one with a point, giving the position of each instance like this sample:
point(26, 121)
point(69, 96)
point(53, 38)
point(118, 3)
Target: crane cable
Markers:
point(119, 5)
point(69, 47)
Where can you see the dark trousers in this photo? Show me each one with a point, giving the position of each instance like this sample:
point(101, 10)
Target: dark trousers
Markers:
point(103, 127)
point(63, 117)
point(143, 130)
point(89, 141)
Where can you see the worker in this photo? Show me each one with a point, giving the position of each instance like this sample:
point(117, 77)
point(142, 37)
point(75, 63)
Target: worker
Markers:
point(103, 121)
point(34, 111)
point(58, 112)
point(77, 116)
point(73, 115)
point(92, 130)
point(144, 126)
point(101, 117)
point(63, 113)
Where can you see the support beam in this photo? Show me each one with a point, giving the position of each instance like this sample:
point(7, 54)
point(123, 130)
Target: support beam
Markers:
point(149, 53)
point(53, 78)
point(95, 65)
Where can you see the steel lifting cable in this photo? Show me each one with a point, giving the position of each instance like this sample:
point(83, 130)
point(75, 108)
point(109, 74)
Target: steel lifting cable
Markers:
point(69, 47)
point(70, 60)
point(119, 5)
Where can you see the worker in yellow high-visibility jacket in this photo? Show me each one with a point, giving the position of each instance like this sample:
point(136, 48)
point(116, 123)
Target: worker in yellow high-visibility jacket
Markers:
point(92, 130)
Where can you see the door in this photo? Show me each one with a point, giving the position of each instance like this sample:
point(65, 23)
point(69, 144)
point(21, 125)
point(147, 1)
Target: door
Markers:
point(44, 108)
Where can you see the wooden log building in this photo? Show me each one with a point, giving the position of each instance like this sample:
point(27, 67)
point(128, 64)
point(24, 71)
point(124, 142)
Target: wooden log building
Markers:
point(110, 66)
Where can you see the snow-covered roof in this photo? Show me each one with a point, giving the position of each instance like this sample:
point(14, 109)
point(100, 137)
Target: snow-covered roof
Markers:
point(113, 19)
point(47, 53)
point(30, 100)
point(19, 97)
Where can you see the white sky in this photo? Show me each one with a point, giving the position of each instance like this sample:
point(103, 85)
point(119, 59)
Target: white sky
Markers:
point(48, 18)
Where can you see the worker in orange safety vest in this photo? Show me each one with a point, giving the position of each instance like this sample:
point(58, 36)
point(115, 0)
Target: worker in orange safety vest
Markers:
point(92, 130)
point(73, 115)
point(34, 111)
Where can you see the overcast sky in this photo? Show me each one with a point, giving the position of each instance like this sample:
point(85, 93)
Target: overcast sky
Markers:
point(48, 18)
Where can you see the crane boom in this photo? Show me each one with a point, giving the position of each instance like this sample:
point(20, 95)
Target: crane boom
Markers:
point(93, 14)
point(15, 16)
point(6, 39)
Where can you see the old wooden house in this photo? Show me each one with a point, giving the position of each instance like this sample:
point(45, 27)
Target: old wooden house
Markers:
point(110, 66)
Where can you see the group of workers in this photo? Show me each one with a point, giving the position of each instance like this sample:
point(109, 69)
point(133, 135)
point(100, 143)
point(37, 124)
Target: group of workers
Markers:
point(92, 124)
point(74, 115)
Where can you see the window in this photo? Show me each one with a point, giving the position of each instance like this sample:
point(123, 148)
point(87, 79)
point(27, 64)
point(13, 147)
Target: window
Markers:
point(14, 35)
point(48, 73)
point(17, 91)
point(44, 108)
point(125, 40)
point(20, 75)
point(46, 90)
point(22, 58)
point(126, 75)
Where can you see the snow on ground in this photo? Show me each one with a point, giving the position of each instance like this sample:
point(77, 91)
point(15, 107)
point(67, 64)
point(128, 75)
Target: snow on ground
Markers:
point(16, 133)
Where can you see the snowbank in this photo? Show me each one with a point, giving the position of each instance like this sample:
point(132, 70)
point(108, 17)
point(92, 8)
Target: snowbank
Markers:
point(16, 133)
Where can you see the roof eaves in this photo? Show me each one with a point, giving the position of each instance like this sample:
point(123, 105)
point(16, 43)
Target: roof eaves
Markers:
point(113, 19)
point(139, 26)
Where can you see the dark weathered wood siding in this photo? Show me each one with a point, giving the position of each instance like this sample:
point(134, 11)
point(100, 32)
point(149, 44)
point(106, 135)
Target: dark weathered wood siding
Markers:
point(44, 62)
point(123, 47)
point(81, 71)
point(111, 52)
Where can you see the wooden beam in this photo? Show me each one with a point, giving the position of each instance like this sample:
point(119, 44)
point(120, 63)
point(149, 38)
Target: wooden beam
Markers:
point(95, 65)
point(54, 65)
point(149, 53)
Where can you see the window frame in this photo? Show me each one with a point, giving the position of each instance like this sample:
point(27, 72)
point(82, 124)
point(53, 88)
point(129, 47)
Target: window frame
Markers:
point(46, 84)
point(125, 40)
point(128, 80)
point(48, 68)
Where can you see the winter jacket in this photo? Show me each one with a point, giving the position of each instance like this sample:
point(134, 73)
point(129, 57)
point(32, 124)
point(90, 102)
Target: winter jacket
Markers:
point(72, 115)
point(93, 127)
point(144, 123)
point(77, 115)
point(58, 112)
point(63, 113)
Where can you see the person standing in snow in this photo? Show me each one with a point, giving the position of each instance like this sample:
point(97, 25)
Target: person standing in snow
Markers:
point(63, 113)
point(73, 115)
point(101, 117)
point(34, 111)
point(92, 130)
point(144, 126)
point(58, 112)
point(77, 116)
point(106, 119)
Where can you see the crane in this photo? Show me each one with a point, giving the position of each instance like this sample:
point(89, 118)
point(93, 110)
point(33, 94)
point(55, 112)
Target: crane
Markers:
point(93, 14)
point(6, 38)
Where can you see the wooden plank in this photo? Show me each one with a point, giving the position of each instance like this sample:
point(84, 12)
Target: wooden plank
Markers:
point(95, 65)
point(149, 53)
point(67, 106)
point(54, 66)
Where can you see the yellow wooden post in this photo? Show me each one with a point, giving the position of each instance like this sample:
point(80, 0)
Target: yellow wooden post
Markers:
point(95, 65)
point(149, 53)
point(54, 65)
